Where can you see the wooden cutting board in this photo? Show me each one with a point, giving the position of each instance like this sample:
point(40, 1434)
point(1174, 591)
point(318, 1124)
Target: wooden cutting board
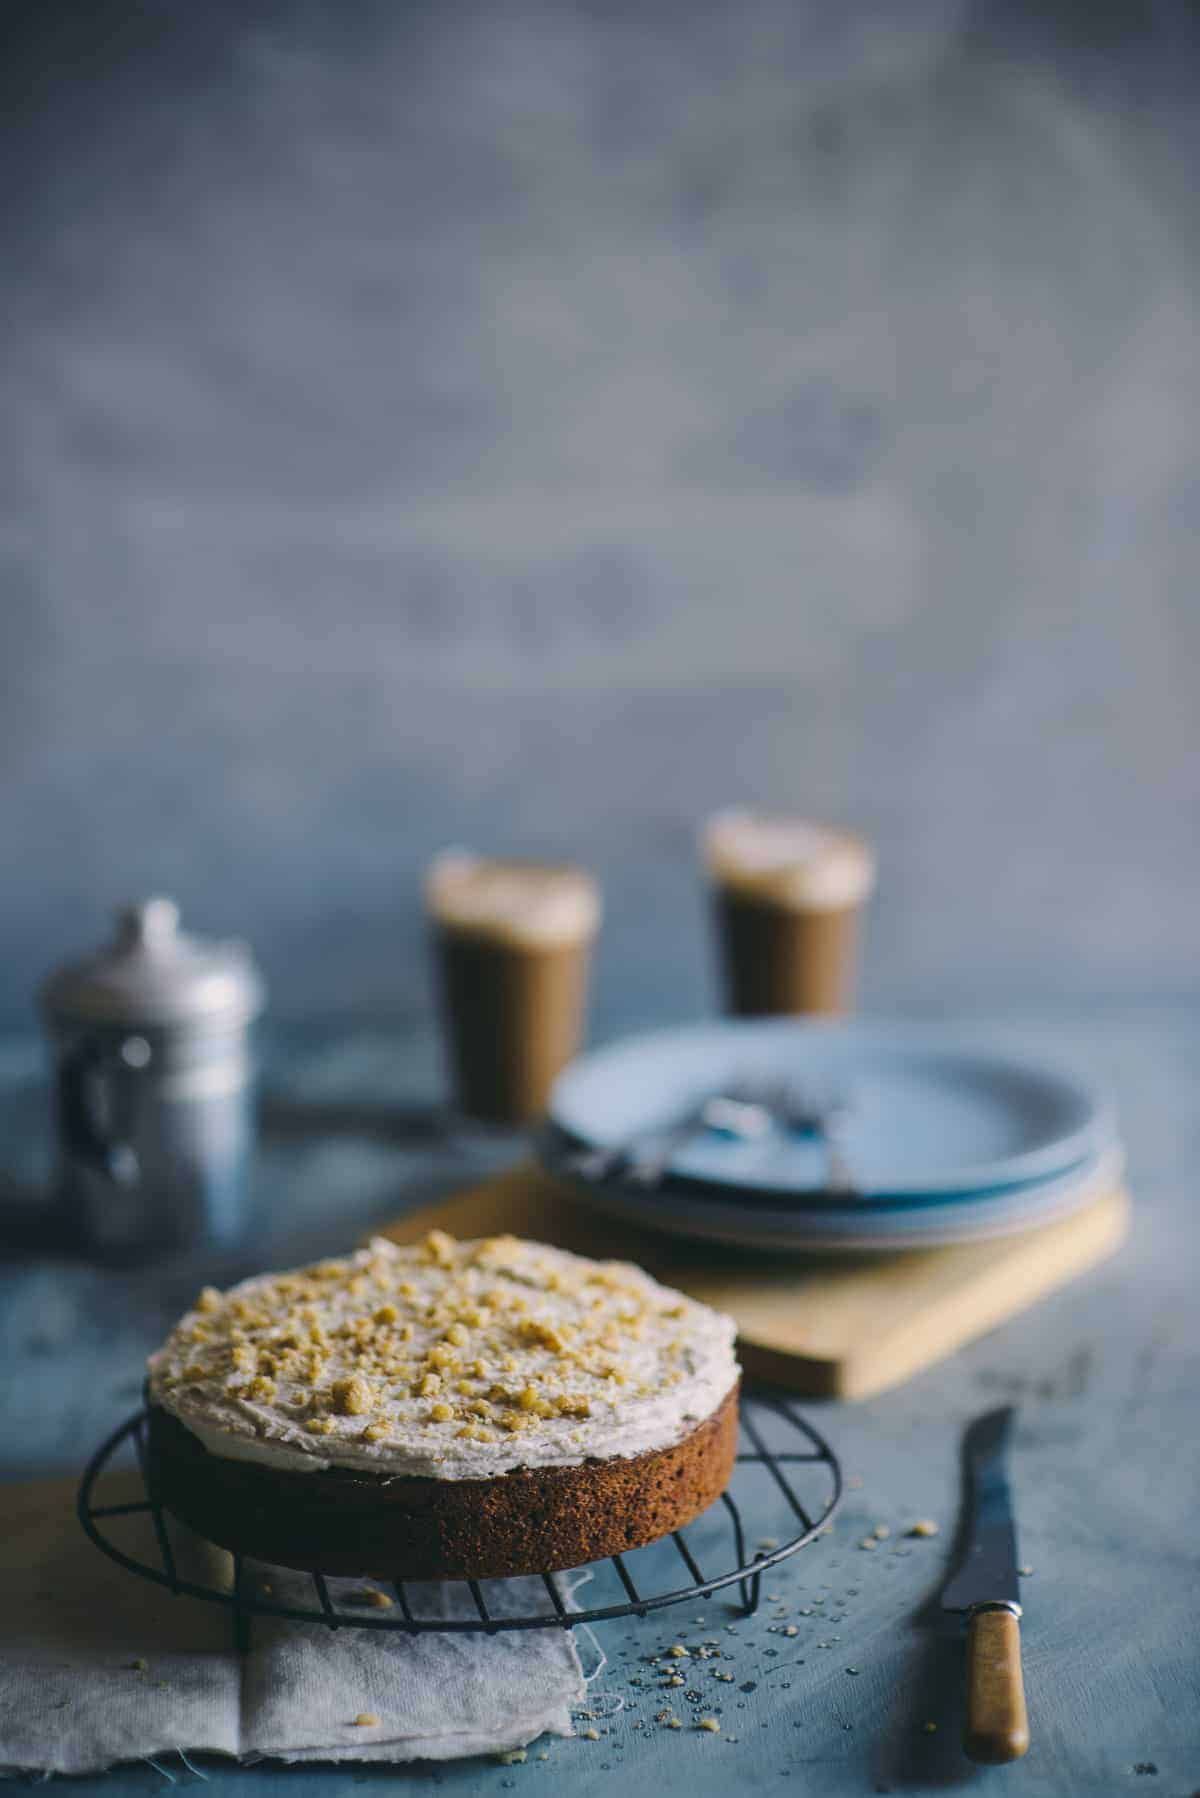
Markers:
point(826, 1327)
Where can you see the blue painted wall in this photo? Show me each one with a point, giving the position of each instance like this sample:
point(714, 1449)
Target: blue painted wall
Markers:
point(530, 425)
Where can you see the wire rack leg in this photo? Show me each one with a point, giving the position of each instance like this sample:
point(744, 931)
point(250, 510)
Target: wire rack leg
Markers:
point(749, 1587)
point(240, 1615)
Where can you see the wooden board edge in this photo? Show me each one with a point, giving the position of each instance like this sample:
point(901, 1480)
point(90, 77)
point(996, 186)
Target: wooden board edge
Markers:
point(986, 1302)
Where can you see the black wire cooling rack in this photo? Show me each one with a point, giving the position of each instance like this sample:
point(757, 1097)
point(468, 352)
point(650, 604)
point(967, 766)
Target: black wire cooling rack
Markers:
point(804, 1455)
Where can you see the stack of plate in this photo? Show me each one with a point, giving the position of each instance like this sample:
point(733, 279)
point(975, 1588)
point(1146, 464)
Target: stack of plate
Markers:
point(932, 1140)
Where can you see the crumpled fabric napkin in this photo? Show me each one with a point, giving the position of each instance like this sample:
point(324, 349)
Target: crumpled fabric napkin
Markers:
point(73, 1625)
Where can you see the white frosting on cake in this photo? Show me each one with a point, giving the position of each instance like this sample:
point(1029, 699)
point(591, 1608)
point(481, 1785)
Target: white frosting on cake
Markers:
point(534, 902)
point(456, 1360)
point(789, 860)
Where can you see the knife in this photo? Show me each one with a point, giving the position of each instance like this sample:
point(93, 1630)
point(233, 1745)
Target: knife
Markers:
point(985, 1588)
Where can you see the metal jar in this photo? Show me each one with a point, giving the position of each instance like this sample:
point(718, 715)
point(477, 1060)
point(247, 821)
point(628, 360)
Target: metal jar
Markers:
point(152, 1087)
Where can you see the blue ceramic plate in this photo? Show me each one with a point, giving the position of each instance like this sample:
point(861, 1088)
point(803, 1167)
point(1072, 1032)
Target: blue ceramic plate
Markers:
point(854, 1229)
point(929, 1118)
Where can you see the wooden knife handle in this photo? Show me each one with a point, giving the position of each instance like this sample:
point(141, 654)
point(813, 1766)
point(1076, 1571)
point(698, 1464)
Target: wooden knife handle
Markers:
point(997, 1722)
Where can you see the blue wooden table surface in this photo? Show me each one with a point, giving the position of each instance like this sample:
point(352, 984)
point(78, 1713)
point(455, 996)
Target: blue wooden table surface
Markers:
point(1106, 1375)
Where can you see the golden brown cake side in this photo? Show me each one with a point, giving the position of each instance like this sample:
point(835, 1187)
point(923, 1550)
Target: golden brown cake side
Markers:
point(529, 1520)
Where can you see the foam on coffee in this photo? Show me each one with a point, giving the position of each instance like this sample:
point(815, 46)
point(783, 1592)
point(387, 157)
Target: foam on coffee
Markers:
point(538, 903)
point(788, 860)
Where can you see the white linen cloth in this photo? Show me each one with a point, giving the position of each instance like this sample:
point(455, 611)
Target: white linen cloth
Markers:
point(74, 1625)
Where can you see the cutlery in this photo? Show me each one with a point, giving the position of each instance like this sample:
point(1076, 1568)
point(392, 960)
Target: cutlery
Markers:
point(798, 1111)
point(748, 1110)
point(644, 1158)
point(984, 1587)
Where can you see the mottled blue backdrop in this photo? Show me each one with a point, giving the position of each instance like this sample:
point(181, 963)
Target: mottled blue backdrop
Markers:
point(529, 425)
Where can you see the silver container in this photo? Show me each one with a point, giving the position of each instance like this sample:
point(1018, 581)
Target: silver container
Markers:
point(153, 1087)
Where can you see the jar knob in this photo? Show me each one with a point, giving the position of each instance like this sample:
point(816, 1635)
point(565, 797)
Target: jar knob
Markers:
point(148, 925)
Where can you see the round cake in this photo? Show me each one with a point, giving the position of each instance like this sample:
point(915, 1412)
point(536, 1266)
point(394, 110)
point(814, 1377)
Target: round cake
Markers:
point(446, 1410)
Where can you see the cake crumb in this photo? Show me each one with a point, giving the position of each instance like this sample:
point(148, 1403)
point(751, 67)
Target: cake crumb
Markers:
point(924, 1526)
point(791, 1629)
point(710, 1724)
point(512, 1757)
point(676, 1679)
point(674, 1723)
point(590, 1735)
point(366, 1720)
point(881, 1532)
point(678, 1650)
point(541, 1755)
point(767, 1542)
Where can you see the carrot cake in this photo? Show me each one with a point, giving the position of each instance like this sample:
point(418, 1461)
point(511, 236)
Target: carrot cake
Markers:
point(448, 1410)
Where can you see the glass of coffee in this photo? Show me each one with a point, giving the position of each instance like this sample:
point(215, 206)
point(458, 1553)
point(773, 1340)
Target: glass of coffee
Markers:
point(513, 941)
point(788, 896)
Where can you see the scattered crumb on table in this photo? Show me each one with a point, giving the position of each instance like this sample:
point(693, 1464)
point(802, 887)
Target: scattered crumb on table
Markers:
point(366, 1720)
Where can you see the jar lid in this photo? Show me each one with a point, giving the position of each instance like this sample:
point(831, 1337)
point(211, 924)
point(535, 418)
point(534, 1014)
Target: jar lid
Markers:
point(154, 973)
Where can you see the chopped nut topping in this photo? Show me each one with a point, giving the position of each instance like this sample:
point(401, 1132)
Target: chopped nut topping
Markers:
point(352, 1396)
point(495, 1341)
point(440, 1247)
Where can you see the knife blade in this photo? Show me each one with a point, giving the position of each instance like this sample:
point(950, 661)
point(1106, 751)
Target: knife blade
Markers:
point(985, 1587)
